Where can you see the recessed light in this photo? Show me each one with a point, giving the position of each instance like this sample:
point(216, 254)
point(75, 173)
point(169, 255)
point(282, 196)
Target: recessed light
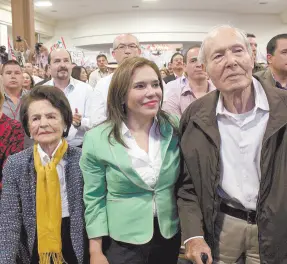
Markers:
point(54, 11)
point(263, 3)
point(135, 6)
point(43, 3)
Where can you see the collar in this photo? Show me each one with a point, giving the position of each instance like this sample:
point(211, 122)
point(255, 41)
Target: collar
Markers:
point(45, 159)
point(126, 132)
point(23, 92)
point(185, 88)
point(277, 84)
point(70, 87)
point(260, 99)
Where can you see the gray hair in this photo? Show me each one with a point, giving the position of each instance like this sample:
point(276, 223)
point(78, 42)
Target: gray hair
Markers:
point(115, 43)
point(202, 52)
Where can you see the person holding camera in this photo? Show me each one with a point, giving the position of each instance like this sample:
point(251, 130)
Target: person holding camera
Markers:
point(40, 56)
point(22, 51)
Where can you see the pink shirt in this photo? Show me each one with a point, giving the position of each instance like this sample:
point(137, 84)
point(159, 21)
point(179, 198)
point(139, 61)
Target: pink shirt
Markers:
point(181, 96)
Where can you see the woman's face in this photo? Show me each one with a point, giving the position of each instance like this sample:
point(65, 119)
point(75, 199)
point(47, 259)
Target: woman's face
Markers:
point(163, 75)
point(145, 94)
point(35, 72)
point(27, 81)
point(46, 124)
point(83, 76)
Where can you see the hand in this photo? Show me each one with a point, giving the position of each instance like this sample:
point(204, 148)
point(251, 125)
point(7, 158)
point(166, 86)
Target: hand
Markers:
point(98, 258)
point(194, 248)
point(77, 118)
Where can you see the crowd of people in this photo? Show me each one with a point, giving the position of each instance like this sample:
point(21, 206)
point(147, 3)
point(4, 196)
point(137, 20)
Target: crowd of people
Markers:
point(132, 164)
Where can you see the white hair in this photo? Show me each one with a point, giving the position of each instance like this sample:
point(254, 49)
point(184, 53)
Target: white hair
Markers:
point(241, 34)
point(115, 44)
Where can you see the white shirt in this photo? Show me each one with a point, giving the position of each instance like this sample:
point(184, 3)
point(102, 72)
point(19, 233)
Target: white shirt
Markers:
point(80, 95)
point(147, 165)
point(240, 152)
point(101, 91)
point(45, 159)
point(95, 76)
point(37, 79)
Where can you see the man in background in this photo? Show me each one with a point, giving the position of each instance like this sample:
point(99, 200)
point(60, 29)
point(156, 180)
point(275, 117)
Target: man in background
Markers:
point(253, 44)
point(177, 68)
point(101, 72)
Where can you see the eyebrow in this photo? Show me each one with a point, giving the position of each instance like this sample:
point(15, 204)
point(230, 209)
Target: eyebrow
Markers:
point(51, 113)
point(221, 50)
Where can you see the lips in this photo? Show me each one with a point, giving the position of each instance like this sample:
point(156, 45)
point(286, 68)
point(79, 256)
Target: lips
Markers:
point(45, 133)
point(151, 103)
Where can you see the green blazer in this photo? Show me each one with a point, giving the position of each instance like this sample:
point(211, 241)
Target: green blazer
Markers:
point(118, 202)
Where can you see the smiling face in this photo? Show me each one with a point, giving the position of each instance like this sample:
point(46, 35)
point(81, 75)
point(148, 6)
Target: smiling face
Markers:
point(45, 122)
point(60, 65)
point(145, 94)
point(27, 81)
point(228, 62)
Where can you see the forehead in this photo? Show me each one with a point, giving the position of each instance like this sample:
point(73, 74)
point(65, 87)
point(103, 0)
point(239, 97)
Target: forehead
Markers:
point(222, 40)
point(42, 106)
point(177, 57)
point(28, 65)
point(252, 40)
point(281, 44)
point(61, 54)
point(193, 53)
point(101, 58)
point(12, 68)
point(144, 73)
point(126, 39)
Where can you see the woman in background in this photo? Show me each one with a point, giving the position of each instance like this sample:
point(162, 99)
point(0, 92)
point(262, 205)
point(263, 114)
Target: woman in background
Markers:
point(80, 73)
point(130, 165)
point(28, 82)
point(164, 72)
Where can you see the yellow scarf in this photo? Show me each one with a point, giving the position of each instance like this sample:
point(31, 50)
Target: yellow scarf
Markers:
point(49, 207)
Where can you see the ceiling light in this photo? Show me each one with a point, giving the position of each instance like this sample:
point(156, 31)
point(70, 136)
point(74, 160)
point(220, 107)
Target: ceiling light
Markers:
point(149, 0)
point(43, 3)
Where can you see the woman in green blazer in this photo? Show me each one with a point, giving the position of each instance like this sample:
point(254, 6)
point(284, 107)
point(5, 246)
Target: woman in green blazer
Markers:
point(130, 165)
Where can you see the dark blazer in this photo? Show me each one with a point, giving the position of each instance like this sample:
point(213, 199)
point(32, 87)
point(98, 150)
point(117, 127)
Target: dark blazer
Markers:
point(18, 207)
point(169, 78)
point(198, 199)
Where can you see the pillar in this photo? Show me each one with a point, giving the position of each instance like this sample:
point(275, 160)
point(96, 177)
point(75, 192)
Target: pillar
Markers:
point(23, 21)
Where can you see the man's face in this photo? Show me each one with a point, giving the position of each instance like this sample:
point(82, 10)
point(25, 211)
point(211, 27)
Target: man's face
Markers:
point(12, 77)
point(278, 61)
point(61, 65)
point(177, 63)
point(101, 62)
point(228, 63)
point(193, 68)
point(28, 68)
point(126, 47)
point(253, 44)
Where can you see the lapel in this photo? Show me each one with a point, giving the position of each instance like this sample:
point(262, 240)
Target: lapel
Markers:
point(277, 104)
point(205, 117)
point(123, 160)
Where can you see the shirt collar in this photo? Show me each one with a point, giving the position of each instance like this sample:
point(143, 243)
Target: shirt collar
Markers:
point(260, 99)
point(23, 92)
point(70, 86)
point(278, 84)
point(126, 132)
point(186, 88)
point(44, 156)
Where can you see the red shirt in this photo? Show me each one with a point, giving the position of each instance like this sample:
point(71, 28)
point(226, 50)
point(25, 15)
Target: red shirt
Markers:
point(11, 139)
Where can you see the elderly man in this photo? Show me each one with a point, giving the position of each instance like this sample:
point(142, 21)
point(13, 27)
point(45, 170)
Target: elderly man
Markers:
point(124, 46)
point(233, 187)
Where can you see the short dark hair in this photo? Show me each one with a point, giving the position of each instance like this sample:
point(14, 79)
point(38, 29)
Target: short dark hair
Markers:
point(102, 56)
point(76, 72)
point(175, 54)
point(190, 48)
point(250, 35)
point(55, 96)
point(49, 56)
point(272, 44)
point(10, 62)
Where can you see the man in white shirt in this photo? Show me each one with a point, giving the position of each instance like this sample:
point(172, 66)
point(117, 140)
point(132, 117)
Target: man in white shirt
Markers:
point(29, 69)
point(79, 94)
point(124, 46)
point(101, 72)
point(232, 194)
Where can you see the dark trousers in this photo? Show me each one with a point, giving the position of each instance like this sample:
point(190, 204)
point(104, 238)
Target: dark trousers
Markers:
point(67, 248)
point(158, 251)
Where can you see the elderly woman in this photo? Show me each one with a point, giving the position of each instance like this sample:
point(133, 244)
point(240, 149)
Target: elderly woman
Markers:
point(130, 176)
point(42, 212)
point(11, 134)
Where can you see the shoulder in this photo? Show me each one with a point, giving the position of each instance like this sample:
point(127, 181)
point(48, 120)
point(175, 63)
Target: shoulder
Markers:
point(99, 132)
point(104, 83)
point(81, 85)
point(19, 160)
point(261, 74)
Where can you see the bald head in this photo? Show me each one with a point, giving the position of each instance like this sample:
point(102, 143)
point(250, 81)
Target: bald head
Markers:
point(125, 46)
point(60, 64)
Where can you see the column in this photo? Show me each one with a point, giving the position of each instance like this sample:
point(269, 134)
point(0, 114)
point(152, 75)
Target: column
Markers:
point(23, 20)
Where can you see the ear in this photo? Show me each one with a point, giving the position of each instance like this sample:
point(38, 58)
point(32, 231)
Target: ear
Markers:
point(113, 53)
point(269, 58)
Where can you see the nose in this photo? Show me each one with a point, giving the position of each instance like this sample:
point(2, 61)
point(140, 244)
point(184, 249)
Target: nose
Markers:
point(230, 59)
point(150, 91)
point(44, 122)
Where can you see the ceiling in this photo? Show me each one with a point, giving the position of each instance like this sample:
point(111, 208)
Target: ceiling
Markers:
point(71, 9)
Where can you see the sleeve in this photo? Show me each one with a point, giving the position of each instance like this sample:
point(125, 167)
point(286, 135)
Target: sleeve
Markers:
point(10, 217)
point(99, 110)
point(188, 206)
point(95, 190)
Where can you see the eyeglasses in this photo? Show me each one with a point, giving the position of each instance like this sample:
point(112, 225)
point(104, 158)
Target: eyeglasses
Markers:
point(123, 47)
